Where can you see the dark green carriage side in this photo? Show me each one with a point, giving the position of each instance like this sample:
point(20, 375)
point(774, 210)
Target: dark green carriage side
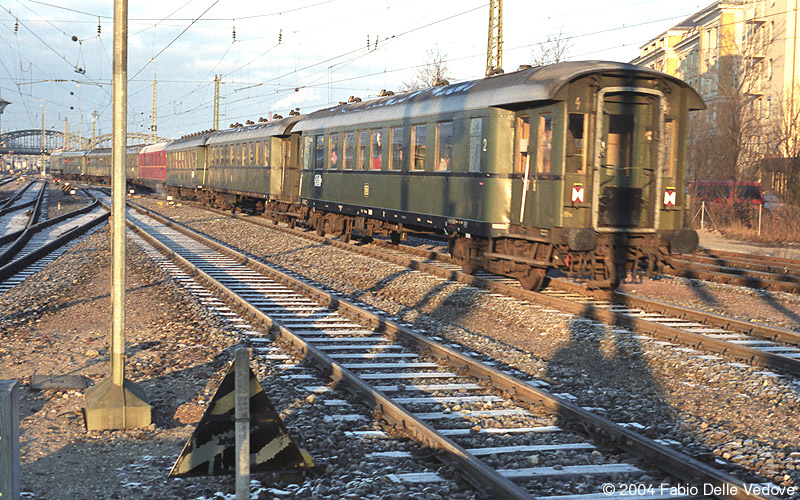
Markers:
point(56, 164)
point(578, 162)
point(132, 163)
point(186, 162)
point(254, 162)
point(74, 163)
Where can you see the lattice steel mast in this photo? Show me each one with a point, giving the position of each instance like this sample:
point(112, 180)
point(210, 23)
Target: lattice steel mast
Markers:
point(494, 51)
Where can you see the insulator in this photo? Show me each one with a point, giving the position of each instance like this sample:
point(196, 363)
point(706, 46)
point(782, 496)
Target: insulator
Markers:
point(99, 28)
point(376, 42)
point(16, 26)
point(234, 32)
point(367, 42)
point(280, 36)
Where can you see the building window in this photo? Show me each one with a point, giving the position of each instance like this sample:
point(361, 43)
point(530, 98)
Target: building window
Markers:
point(444, 145)
point(418, 140)
point(349, 150)
point(396, 157)
point(377, 149)
point(545, 143)
point(475, 140)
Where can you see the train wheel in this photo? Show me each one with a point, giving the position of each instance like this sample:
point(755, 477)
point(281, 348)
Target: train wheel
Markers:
point(469, 268)
point(533, 279)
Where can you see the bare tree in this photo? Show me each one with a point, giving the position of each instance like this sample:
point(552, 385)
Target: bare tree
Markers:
point(729, 138)
point(431, 74)
point(552, 50)
point(781, 169)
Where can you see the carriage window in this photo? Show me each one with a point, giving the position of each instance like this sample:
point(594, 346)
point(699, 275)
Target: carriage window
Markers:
point(576, 143)
point(319, 156)
point(252, 149)
point(377, 150)
point(333, 150)
point(226, 159)
point(349, 149)
point(523, 137)
point(266, 148)
point(544, 143)
point(475, 136)
point(444, 146)
point(669, 149)
point(308, 151)
point(363, 150)
point(257, 153)
point(396, 157)
point(418, 140)
point(620, 132)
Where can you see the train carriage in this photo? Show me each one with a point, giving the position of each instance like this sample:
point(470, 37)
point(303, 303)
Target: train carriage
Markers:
point(132, 163)
point(57, 163)
point(186, 165)
point(98, 165)
point(73, 164)
point(255, 165)
point(152, 166)
point(575, 166)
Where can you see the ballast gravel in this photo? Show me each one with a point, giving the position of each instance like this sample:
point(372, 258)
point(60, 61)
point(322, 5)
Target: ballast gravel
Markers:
point(736, 417)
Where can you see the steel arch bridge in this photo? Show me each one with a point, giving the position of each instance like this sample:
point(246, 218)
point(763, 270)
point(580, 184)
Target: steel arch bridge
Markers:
point(29, 142)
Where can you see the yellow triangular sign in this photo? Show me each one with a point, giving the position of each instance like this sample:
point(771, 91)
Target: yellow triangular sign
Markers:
point(211, 449)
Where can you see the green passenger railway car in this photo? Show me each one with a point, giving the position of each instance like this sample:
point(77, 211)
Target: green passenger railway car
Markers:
point(256, 166)
point(576, 166)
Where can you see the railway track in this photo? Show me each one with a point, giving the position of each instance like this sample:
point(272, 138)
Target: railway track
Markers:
point(732, 268)
point(438, 396)
point(26, 251)
point(11, 216)
point(743, 341)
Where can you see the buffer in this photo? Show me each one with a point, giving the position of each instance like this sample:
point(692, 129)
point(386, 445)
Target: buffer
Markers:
point(212, 448)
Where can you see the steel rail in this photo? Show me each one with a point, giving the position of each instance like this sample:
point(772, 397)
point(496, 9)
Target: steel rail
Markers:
point(766, 261)
point(672, 462)
point(740, 277)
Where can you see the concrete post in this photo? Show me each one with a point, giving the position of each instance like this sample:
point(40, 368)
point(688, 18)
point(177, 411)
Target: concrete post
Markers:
point(9, 440)
point(242, 402)
point(116, 403)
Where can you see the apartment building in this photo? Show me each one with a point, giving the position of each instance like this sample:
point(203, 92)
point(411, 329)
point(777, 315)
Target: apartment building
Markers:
point(749, 44)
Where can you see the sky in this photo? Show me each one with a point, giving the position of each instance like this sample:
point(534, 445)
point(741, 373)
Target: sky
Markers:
point(276, 56)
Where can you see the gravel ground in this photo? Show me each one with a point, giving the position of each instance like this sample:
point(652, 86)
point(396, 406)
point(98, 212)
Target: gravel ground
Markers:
point(737, 415)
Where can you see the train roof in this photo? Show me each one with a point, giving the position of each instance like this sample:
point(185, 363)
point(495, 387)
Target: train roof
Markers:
point(153, 148)
point(99, 152)
point(541, 83)
point(191, 141)
point(80, 152)
point(254, 132)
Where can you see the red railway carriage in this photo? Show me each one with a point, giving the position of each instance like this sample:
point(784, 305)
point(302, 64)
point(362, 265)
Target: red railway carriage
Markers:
point(153, 162)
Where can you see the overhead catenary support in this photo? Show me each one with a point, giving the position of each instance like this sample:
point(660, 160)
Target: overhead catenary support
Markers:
point(116, 403)
point(494, 50)
point(154, 113)
point(216, 102)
